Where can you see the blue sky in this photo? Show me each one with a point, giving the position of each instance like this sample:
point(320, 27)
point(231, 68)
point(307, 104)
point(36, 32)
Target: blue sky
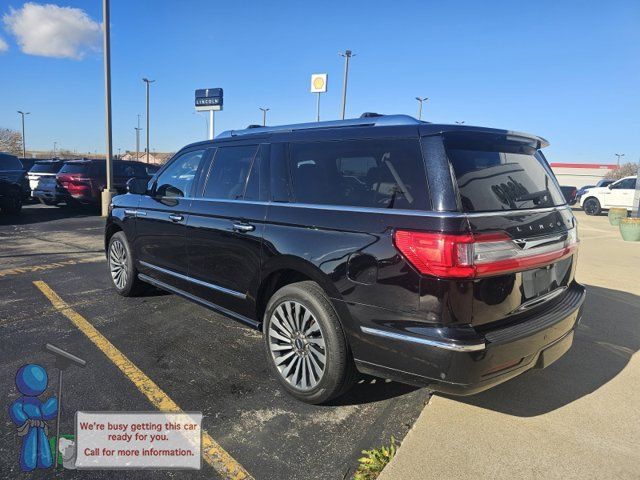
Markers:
point(569, 70)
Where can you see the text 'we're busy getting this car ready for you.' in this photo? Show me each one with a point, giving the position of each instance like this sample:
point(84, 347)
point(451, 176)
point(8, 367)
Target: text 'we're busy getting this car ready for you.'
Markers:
point(436, 255)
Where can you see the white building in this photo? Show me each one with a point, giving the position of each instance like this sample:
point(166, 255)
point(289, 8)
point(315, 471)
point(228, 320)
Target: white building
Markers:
point(580, 174)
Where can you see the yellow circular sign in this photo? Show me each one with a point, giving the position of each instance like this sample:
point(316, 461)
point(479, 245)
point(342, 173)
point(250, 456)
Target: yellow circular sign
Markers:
point(318, 83)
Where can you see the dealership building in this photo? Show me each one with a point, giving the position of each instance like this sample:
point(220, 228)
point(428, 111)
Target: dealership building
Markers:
point(581, 174)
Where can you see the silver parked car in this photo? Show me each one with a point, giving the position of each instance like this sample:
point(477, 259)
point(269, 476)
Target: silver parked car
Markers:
point(42, 180)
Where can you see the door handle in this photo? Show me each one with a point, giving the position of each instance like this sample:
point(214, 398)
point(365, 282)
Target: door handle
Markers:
point(243, 227)
point(176, 217)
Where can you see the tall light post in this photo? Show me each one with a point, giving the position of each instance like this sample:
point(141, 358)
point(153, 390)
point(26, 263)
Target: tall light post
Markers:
point(108, 192)
point(347, 56)
point(54, 149)
point(619, 155)
point(421, 100)
point(148, 82)
point(264, 115)
point(460, 123)
point(137, 129)
point(24, 142)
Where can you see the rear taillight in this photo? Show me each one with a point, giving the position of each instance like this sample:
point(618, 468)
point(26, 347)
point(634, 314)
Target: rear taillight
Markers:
point(482, 255)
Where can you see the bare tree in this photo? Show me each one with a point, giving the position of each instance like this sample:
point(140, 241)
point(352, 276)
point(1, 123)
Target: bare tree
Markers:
point(625, 170)
point(10, 141)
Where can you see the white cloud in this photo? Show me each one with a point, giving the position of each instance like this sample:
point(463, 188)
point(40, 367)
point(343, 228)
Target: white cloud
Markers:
point(53, 31)
point(3, 45)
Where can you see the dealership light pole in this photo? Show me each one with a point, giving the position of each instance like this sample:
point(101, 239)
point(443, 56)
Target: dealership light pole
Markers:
point(148, 82)
point(619, 155)
point(137, 129)
point(347, 56)
point(421, 100)
point(264, 115)
point(108, 192)
point(24, 143)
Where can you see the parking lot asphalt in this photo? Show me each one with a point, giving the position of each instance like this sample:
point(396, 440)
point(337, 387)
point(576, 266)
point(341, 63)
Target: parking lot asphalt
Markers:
point(202, 361)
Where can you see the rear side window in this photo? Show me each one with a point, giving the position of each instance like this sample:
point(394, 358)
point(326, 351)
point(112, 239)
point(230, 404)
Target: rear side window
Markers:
point(228, 175)
point(500, 174)
point(9, 162)
point(381, 173)
point(46, 167)
point(74, 168)
point(627, 183)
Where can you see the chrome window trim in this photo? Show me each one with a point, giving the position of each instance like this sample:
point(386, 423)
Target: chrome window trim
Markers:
point(541, 299)
point(424, 341)
point(386, 211)
point(194, 280)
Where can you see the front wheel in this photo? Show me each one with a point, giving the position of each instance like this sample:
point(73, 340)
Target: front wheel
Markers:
point(305, 345)
point(124, 275)
point(592, 206)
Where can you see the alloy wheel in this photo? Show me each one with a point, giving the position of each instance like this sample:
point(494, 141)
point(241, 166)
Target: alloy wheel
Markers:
point(297, 345)
point(118, 264)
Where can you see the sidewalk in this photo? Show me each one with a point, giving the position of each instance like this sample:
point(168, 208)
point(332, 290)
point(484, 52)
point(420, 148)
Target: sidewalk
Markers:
point(579, 418)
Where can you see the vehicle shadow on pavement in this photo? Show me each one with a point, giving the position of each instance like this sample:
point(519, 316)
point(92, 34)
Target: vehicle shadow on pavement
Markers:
point(371, 389)
point(37, 214)
point(605, 340)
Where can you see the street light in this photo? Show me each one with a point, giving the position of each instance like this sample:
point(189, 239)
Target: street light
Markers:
point(619, 155)
point(148, 82)
point(24, 147)
point(264, 115)
point(54, 149)
point(137, 129)
point(421, 100)
point(460, 123)
point(108, 192)
point(347, 55)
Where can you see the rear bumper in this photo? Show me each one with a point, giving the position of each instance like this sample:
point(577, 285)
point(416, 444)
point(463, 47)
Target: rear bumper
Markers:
point(463, 361)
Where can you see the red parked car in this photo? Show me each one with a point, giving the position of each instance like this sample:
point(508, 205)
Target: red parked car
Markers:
point(82, 181)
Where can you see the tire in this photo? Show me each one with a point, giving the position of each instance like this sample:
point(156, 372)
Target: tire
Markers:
point(122, 271)
point(13, 205)
point(305, 345)
point(591, 206)
point(50, 203)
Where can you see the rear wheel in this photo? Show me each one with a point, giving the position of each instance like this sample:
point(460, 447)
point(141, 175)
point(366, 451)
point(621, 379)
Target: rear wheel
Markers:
point(305, 344)
point(591, 206)
point(124, 275)
point(13, 204)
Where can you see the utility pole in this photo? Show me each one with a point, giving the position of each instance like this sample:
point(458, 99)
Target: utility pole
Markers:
point(24, 142)
point(54, 149)
point(108, 192)
point(264, 115)
point(137, 129)
point(421, 100)
point(619, 155)
point(347, 55)
point(148, 82)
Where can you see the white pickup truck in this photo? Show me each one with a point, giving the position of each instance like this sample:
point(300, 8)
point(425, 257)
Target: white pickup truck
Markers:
point(618, 194)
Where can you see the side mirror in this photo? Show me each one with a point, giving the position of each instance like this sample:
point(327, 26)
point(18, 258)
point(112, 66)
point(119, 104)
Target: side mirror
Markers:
point(610, 186)
point(136, 186)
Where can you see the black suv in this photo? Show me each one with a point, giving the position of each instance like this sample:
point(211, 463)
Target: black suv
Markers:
point(436, 255)
point(14, 185)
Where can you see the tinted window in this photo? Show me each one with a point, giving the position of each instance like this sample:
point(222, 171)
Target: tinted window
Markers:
point(177, 178)
point(624, 184)
point(229, 171)
point(252, 191)
point(9, 162)
point(129, 170)
point(76, 167)
point(495, 175)
point(46, 167)
point(384, 173)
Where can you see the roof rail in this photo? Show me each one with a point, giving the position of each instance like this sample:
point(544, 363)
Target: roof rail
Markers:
point(382, 120)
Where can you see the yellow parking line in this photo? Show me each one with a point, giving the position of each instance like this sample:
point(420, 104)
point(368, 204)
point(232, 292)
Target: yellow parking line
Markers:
point(212, 452)
point(48, 266)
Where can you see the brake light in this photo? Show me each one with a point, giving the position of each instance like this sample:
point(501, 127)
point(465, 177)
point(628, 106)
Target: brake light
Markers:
point(482, 255)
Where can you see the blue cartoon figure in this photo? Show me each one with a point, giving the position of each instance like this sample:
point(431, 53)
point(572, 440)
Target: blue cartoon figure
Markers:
point(30, 414)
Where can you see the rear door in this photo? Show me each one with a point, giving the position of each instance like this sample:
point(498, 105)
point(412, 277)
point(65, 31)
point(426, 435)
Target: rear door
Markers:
point(621, 193)
point(161, 218)
point(225, 229)
point(525, 235)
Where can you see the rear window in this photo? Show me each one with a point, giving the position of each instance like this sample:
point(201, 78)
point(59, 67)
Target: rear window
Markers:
point(382, 173)
point(494, 174)
point(74, 168)
point(9, 162)
point(46, 167)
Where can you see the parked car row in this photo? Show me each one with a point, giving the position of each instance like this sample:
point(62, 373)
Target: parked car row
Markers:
point(73, 182)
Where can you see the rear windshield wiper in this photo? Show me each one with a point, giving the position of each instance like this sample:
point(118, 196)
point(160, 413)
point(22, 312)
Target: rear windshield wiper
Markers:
point(533, 196)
